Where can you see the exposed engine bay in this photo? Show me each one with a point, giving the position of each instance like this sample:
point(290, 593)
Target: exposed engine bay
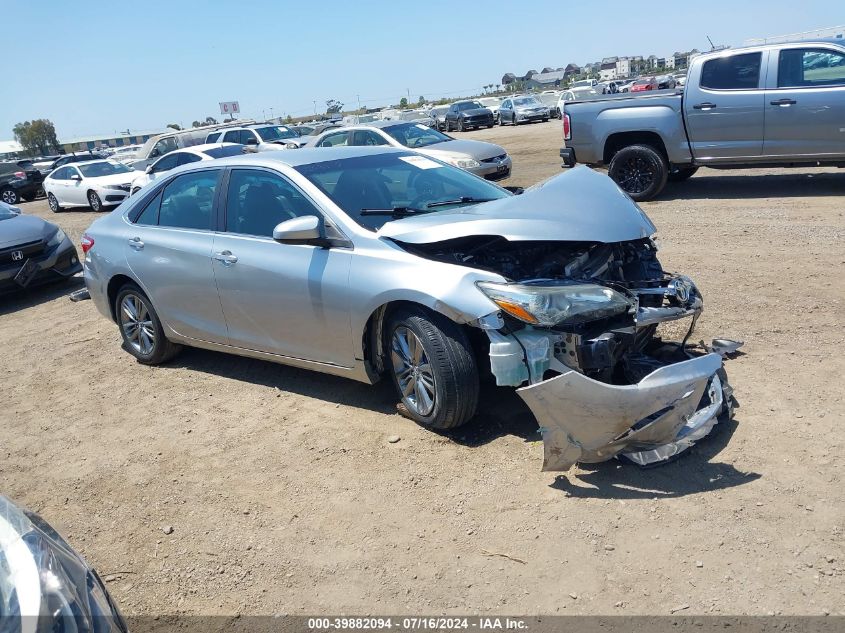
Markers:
point(578, 322)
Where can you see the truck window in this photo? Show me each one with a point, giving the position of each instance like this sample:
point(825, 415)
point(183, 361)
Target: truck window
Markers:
point(734, 72)
point(807, 68)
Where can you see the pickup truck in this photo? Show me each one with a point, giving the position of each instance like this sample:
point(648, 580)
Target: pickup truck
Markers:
point(776, 105)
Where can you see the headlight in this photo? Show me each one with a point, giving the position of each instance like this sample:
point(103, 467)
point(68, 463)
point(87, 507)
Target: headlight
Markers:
point(291, 146)
point(118, 187)
point(552, 304)
point(40, 575)
point(58, 238)
point(464, 163)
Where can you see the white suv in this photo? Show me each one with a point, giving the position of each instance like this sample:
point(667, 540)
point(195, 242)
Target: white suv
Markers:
point(260, 138)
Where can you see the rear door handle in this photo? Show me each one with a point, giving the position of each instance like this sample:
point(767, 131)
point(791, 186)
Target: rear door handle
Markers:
point(784, 102)
point(226, 257)
point(136, 243)
point(704, 106)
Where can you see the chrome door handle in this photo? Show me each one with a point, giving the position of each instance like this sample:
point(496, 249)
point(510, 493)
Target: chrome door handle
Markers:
point(704, 106)
point(784, 102)
point(226, 257)
point(136, 243)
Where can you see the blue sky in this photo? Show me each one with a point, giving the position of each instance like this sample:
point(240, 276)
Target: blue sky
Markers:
point(98, 66)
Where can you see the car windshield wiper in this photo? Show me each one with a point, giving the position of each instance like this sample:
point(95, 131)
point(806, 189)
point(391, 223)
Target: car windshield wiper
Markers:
point(461, 200)
point(397, 212)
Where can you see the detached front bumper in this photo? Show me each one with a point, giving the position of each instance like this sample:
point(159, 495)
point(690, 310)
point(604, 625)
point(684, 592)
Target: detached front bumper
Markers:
point(584, 420)
point(60, 262)
point(567, 155)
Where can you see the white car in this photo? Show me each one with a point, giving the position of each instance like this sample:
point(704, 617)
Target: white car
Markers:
point(492, 104)
point(93, 183)
point(180, 157)
point(259, 138)
point(125, 153)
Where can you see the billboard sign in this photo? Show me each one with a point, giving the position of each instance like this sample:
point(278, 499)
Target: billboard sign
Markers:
point(229, 107)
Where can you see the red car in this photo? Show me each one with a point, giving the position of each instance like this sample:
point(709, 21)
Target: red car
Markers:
point(644, 83)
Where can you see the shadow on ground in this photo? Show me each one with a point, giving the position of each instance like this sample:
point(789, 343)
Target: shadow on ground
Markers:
point(715, 184)
point(31, 297)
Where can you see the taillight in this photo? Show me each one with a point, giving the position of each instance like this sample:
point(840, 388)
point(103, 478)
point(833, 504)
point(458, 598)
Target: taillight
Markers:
point(567, 129)
point(20, 174)
point(87, 243)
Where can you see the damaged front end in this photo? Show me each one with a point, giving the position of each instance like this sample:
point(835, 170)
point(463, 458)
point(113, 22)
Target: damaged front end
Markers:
point(580, 322)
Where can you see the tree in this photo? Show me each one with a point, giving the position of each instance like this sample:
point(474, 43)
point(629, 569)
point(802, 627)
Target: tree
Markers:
point(421, 101)
point(210, 120)
point(288, 119)
point(174, 126)
point(333, 106)
point(403, 103)
point(38, 136)
point(196, 124)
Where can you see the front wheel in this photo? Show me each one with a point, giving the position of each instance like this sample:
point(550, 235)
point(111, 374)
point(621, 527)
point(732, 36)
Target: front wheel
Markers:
point(461, 127)
point(54, 204)
point(640, 170)
point(94, 201)
point(681, 174)
point(10, 196)
point(140, 327)
point(433, 368)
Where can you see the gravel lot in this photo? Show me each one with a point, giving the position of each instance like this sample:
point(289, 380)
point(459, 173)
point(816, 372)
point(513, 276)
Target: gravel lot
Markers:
point(284, 495)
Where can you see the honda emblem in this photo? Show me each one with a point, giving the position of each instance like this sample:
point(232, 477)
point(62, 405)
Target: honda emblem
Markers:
point(17, 256)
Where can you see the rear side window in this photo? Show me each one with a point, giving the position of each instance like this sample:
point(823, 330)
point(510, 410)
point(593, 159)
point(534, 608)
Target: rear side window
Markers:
point(59, 174)
point(149, 215)
point(808, 68)
point(185, 158)
point(233, 136)
point(187, 202)
point(735, 72)
point(335, 140)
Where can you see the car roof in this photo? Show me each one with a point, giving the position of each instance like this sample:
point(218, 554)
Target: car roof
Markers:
point(200, 148)
point(298, 157)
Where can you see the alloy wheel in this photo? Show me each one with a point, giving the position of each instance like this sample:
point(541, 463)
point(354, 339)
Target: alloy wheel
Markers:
point(54, 204)
point(413, 371)
point(137, 324)
point(94, 201)
point(9, 196)
point(636, 175)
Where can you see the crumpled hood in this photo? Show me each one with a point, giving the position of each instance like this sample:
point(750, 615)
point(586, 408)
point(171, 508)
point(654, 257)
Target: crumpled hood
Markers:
point(479, 150)
point(578, 205)
point(24, 228)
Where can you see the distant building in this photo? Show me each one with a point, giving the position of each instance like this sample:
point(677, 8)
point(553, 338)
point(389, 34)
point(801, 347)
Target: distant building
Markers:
point(607, 71)
point(85, 143)
point(546, 81)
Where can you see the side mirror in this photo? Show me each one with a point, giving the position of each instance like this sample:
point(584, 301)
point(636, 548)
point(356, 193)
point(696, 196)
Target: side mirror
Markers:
point(252, 141)
point(155, 153)
point(149, 169)
point(302, 230)
point(76, 177)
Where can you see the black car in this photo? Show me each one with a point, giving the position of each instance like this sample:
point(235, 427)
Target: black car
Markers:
point(33, 251)
point(76, 158)
point(16, 185)
point(463, 115)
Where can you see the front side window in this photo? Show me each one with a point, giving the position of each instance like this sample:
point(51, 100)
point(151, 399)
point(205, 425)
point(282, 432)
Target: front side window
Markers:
point(164, 146)
point(259, 200)
point(187, 201)
point(232, 136)
point(415, 134)
point(734, 72)
point(809, 68)
point(368, 138)
point(60, 174)
point(167, 163)
point(186, 158)
point(336, 139)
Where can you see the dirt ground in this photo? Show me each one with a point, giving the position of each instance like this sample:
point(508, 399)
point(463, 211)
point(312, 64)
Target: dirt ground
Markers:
point(284, 495)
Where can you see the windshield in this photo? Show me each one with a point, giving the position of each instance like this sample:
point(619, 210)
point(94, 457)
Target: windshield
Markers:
point(400, 181)
point(468, 105)
point(415, 134)
point(275, 133)
point(104, 168)
point(526, 101)
point(548, 98)
point(413, 115)
point(583, 83)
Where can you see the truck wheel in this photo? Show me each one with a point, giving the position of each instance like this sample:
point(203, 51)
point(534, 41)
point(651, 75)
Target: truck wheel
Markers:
point(433, 368)
point(681, 174)
point(640, 170)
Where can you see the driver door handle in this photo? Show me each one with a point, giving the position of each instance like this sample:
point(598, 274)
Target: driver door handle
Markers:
point(136, 243)
point(783, 102)
point(226, 257)
point(704, 106)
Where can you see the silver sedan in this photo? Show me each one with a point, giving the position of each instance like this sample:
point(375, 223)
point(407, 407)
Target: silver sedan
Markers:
point(369, 262)
point(484, 159)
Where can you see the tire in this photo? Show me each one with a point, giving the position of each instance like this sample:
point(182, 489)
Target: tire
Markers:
point(54, 204)
point(461, 127)
point(681, 174)
point(140, 327)
point(445, 396)
point(546, 120)
point(10, 196)
point(94, 201)
point(501, 121)
point(640, 170)
point(448, 126)
point(513, 121)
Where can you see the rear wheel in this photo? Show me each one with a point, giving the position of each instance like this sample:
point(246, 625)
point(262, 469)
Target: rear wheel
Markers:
point(640, 170)
point(9, 196)
point(682, 173)
point(94, 201)
point(140, 327)
point(433, 369)
point(54, 204)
